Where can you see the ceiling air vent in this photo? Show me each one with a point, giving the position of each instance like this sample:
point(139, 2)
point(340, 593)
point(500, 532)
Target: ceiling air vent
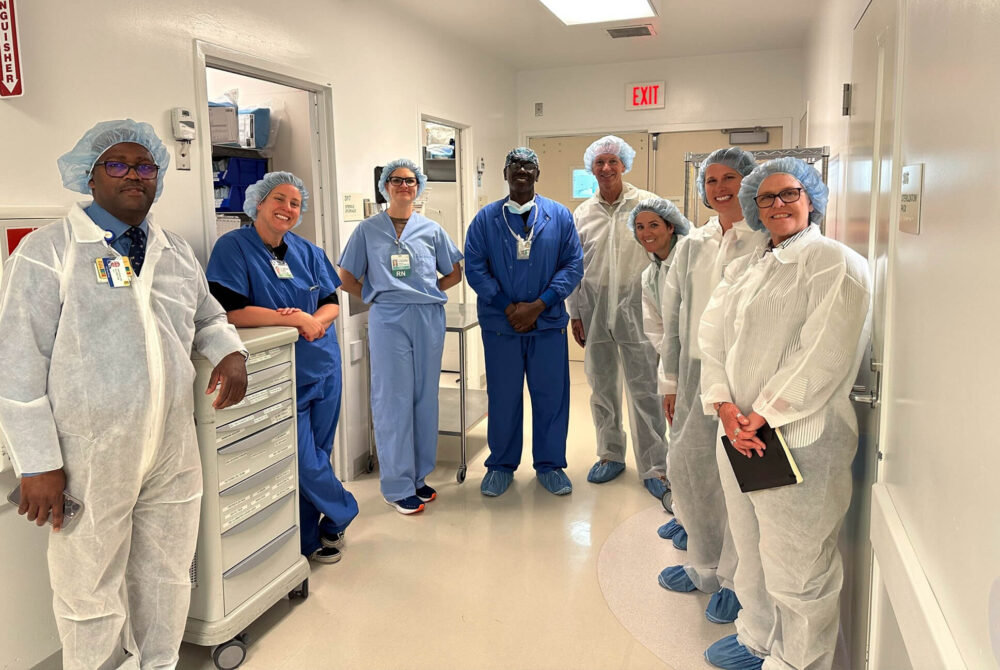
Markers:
point(631, 31)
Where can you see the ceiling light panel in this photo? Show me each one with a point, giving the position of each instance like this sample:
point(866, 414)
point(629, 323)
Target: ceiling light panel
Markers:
point(576, 12)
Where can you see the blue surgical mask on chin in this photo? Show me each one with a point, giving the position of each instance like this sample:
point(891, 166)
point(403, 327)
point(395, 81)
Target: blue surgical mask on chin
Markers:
point(519, 209)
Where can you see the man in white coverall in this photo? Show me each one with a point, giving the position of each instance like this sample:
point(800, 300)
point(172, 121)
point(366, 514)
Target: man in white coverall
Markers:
point(606, 317)
point(97, 400)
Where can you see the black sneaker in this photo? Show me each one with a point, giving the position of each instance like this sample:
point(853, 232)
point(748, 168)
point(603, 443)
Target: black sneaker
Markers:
point(409, 505)
point(426, 493)
point(326, 555)
point(335, 540)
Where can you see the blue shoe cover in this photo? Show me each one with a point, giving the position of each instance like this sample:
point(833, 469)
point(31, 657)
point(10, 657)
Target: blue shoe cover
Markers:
point(723, 607)
point(556, 482)
point(681, 540)
point(656, 486)
point(729, 654)
point(669, 529)
point(496, 482)
point(675, 578)
point(605, 472)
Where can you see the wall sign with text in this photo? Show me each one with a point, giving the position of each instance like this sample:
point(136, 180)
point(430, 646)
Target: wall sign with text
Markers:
point(645, 95)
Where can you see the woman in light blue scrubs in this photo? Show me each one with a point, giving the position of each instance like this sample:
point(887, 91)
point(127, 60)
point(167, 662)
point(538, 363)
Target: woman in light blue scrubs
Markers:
point(392, 261)
point(266, 275)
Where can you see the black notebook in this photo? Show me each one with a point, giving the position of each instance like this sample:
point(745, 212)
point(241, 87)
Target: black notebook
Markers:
point(775, 468)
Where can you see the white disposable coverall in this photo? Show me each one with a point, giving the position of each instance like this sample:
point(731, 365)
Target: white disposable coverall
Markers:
point(672, 323)
point(609, 302)
point(782, 336)
point(99, 383)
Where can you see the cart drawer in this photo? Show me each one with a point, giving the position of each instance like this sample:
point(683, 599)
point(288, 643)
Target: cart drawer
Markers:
point(241, 501)
point(275, 374)
point(245, 426)
point(254, 402)
point(249, 576)
point(269, 357)
point(248, 456)
point(251, 534)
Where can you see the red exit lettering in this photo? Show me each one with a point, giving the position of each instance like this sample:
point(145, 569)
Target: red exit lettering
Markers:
point(646, 95)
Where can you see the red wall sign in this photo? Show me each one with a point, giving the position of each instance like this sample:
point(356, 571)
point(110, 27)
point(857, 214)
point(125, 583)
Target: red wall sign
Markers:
point(645, 95)
point(11, 81)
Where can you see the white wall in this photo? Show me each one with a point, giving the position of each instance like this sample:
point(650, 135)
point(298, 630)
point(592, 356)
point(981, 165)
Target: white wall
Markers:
point(940, 387)
point(87, 62)
point(722, 88)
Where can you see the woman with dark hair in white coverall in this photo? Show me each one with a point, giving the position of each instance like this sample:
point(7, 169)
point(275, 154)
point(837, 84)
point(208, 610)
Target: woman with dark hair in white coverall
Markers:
point(781, 343)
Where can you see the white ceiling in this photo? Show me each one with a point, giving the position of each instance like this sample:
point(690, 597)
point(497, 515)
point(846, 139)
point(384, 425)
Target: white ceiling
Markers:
point(524, 34)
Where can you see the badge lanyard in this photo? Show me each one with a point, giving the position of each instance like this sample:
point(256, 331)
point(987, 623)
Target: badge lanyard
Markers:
point(523, 245)
point(399, 262)
point(280, 267)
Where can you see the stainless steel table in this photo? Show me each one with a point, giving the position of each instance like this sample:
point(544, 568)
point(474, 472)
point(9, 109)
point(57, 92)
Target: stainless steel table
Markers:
point(457, 418)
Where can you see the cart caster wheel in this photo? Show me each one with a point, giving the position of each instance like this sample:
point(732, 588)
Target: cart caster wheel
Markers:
point(461, 475)
point(230, 655)
point(371, 464)
point(301, 592)
point(667, 501)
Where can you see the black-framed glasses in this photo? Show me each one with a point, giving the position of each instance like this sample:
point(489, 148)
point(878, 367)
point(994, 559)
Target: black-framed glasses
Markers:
point(787, 195)
point(399, 181)
point(117, 169)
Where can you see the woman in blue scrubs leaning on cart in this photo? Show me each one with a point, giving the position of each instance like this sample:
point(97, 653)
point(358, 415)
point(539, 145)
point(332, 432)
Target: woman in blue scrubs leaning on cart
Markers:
point(266, 275)
point(393, 261)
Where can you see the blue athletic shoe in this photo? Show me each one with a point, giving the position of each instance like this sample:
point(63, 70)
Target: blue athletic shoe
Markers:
point(675, 578)
point(669, 529)
point(680, 540)
point(605, 471)
point(729, 654)
point(409, 505)
point(426, 493)
point(556, 482)
point(656, 486)
point(496, 482)
point(723, 607)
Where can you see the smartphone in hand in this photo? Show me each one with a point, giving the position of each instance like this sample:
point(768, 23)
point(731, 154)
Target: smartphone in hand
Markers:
point(71, 506)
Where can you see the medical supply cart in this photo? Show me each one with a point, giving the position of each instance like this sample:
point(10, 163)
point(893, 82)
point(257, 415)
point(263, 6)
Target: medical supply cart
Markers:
point(248, 555)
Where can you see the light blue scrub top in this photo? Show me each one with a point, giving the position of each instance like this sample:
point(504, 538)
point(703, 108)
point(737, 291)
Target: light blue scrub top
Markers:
point(242, 263)
point(373, 242)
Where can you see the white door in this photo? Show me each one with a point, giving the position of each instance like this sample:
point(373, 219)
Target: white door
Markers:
point(865, 228)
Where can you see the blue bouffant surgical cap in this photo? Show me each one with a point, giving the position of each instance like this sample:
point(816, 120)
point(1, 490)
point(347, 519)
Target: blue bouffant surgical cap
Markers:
point(609, 144)
point(807, 175)
point(664, 209)
point(76, 165)
point(395, 165)
point(522, 155)
point(256, 193)
point(738, 159)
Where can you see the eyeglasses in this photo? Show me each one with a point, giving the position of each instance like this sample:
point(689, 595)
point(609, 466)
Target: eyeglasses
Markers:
point(787, 195)
point(399, 181)
point(118, 169)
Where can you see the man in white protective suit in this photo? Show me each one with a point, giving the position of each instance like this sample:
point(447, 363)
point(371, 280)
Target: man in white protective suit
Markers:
point(99, 314)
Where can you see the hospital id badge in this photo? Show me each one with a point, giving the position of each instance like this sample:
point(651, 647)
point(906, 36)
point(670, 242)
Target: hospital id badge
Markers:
point(118, 271)
point(523, 249)
point(281, 269)
point(400, 265)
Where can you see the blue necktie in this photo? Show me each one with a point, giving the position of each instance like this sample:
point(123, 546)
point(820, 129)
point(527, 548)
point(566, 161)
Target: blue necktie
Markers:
point(137, 252)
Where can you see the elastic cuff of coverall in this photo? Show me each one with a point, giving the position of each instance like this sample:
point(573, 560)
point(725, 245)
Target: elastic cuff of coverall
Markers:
point(665, 387)
point(501, 300)
point(773, 418)
point(549, 297)
point(713, 395)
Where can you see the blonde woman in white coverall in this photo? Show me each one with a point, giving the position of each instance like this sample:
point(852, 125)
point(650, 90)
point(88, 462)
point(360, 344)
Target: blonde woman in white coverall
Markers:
point(606, 318)
point(97, 399)
point(694, 474)
point(781, 342)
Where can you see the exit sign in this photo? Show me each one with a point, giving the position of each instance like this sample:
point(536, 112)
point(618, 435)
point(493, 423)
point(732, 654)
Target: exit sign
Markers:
point(645, 95)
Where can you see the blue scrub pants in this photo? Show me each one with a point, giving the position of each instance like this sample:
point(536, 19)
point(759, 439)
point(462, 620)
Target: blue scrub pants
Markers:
point(320, 492)
point(542, 357)
point(405, 342)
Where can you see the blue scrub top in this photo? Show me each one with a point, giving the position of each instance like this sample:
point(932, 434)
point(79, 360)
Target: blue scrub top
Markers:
point(553, 268)
point(242, 263)
point(373, 242)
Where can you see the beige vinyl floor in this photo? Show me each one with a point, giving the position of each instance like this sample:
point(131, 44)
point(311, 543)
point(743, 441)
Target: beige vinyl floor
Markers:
point(527, 580)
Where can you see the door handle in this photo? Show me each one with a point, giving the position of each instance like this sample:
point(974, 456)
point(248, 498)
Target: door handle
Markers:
point(865, 395)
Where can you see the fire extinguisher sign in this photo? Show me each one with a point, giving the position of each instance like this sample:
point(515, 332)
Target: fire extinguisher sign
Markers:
point(11, 81)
